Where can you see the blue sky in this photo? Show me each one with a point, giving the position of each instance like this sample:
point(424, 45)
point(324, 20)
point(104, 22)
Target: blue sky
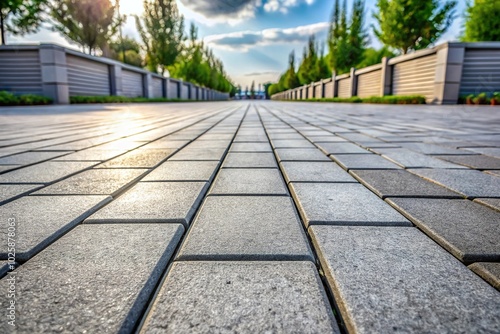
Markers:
point(252, 37)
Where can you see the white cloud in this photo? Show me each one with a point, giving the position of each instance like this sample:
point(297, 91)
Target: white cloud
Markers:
point(244, 40)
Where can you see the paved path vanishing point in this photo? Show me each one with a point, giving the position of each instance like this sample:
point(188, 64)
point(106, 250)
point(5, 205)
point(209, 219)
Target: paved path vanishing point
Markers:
point(250, 218)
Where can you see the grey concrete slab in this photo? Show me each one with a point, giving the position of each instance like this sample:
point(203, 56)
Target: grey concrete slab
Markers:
point(94, 182)
point(250, 160)
point(9, 192)
point(395, 279)
point(473, 161)
point(5, 168)
point(183, 171)
point(154, 202)
point(45, 172)
point(199, 154)
point(433, 149)
point(261, 138)
point(468, 230)
point(489, 271)
point(401, 183)
point(100, 287)
point(327, 139)
point(410, 159)
point(246, 228)
point(251, 147)
point(342, 148)
point(165, 143)
point(92, 154)
point(39, 220)
point(303, 154)
point(470, 183)
point(343, 204)
point(138, 158)
point(292, 143)
point(303, 171)
point(493, 203)
point(363, 161)
point(206, 144)
point(241, 297)
point(243, 181)
point(493, 172)
point(489, 151)
point(28, 158)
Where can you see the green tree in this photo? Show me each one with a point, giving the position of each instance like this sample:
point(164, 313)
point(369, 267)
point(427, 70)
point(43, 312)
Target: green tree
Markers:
point(308, 70)
point(412, 24)
point(273, 89)
point(291, 79)
point(357, 36)
point(130, 47)
point(20, 17)
point(89, 23)
point(373, 56)
point(482, 21)
point(252, 90)
point(323, 69)
point(162, 31)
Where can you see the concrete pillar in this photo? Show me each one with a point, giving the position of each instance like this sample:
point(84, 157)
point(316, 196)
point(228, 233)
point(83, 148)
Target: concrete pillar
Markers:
point(115, 77)
point(335, 86)
point(164, 85)
point(386, 79)
point(322, 89)
point(147, 82)
point(179, 89)
point(449, 64)
point(54, 73)
point(354, 82)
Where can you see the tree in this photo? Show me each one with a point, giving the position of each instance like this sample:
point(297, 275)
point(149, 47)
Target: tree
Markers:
point(130, 47)
point(89, 23)
point(162, 31)
point(291, 80)
point(357, 37)
point(482, 21)
point(20, 16)
point(412, 24)
point(308, 71)
point(323, 69)
point(252, 90)
point(373, 56)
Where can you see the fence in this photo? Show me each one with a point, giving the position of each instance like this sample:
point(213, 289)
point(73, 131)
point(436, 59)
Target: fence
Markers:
point(442, 74)
point(59, 73)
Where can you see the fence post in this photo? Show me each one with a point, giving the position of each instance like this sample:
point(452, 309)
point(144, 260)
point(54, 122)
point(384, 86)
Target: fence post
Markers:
point(147, 81)
point(354, 82)
point(115, 78)
point(334, 84)
point(386, 80)
point(322, 89)
point(449, 65)
point(54, 73)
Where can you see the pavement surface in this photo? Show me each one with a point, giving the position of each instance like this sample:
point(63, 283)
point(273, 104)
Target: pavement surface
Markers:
point(237, 217)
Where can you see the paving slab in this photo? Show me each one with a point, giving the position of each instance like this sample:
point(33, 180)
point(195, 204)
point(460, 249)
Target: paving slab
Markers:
point(473, 161)
point(292, 143)
point(393, 279)
point(94, 182)
point(302, 154)
point(28, 158)
point(5, 267)
point(489, 271)
point(363, 161)
point(5, 168)
point(343, 204)
point(243, 181)
point(433, 149)
point(493, 203)
point(489, 151)
point(138, 158)
point(251, 147)
point(327, 139)
point(45, 172)
point(410, 159)
point(92, 154)
point(197, 154)
point(250, 160)
point(183, 171)
point(246, 228)
point(165, 143)
point(303, 171)
point(241, 297)
point(470, 183)
point(401, 183)
point(8, 192)
point(154, 202)
point(342, 148)
point(39, 220)
point(493, 172)
point(468, 230)
point(89, 281)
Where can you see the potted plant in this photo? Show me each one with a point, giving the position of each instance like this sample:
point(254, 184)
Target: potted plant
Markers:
point(495, 100)
point(481, 99)
point(469, 99)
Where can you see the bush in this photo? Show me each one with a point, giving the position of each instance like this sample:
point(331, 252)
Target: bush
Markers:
point(120, 99)
point(9, 99)
point(389, 99)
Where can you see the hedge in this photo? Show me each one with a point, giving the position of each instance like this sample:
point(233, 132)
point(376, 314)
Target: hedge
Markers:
point(388, 99)
point(119, 99)
point(9, 99)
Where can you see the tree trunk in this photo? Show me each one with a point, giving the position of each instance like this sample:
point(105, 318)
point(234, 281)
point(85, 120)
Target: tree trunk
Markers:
point(2, 28)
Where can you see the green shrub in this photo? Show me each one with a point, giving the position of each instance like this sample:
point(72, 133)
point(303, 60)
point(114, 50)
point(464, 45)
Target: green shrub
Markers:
point(389, 99)
point(9, 99)
point(120, 99)
point(481, 98)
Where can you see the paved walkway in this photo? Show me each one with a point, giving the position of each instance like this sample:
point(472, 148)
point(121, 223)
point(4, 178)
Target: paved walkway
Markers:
point(240, 217)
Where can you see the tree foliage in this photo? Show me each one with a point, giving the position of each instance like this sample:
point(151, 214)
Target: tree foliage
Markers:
point(20, 17)
point(127, 50)
point(412, 24)
point(482, 21)
point(89, 23)
point(373, 56)
point(162, 31)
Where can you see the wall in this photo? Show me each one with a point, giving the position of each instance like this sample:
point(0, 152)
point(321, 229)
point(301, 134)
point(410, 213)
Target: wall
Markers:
point(442, 74)
point(59, 73)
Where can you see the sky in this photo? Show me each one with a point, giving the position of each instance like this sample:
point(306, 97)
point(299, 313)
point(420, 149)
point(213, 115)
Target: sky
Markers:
point(253, 38)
